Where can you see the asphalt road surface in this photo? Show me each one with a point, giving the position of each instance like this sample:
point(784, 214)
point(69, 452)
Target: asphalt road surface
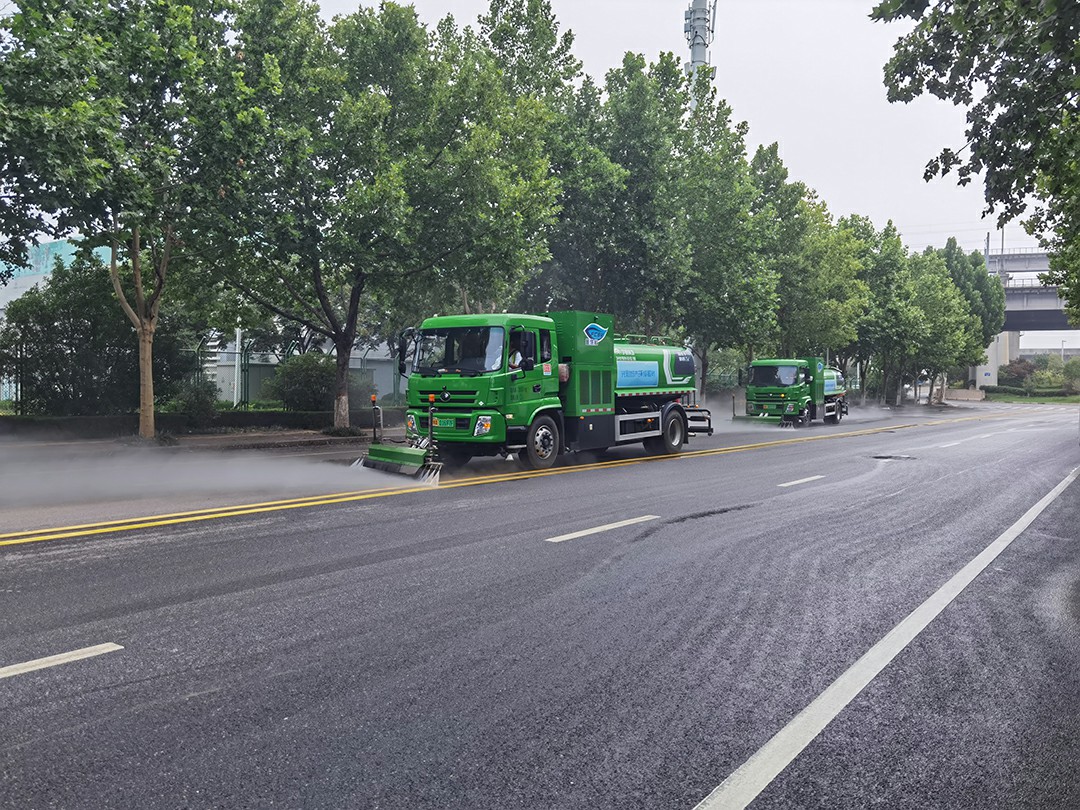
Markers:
point(884, 612)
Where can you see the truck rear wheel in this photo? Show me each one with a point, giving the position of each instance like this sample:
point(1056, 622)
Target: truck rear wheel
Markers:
point(671, 439)
point(541, 445)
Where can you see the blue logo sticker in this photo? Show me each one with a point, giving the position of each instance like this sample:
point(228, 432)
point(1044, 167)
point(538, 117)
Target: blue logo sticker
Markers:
point(594, 333)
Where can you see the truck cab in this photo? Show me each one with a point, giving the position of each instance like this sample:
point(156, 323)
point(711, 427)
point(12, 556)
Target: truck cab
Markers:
point(796, 391)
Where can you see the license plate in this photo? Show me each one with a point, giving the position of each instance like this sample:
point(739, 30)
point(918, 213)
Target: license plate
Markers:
point(444, 422)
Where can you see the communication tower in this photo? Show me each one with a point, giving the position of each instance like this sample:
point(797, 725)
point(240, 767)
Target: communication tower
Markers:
point(700, 27)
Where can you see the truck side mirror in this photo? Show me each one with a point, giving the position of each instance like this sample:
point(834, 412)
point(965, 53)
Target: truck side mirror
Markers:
point(807, 377)
point(742, 377)
point(528, 364)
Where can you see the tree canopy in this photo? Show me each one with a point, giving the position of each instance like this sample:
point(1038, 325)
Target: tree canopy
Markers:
point(1014, 66)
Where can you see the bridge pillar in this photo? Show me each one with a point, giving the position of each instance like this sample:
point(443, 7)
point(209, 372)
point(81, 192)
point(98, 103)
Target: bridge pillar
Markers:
point(1003, 350)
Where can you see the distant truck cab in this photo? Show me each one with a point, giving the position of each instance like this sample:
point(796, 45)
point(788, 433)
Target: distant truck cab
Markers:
point(796, 391)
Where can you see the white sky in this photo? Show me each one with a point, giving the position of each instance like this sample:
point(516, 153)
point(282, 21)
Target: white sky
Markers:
point(809, 76)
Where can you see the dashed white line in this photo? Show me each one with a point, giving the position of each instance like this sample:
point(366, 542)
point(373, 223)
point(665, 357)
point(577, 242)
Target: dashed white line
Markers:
point(950, 444)
point(54, 660)
point(754, 775)
point(801, 481)
point(564, 537)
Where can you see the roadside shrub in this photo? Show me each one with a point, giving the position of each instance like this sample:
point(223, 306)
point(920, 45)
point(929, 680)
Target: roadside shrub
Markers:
point(1015, 373)
point(304, 382)
point(307, 382)
point(1025, 392)
point(198, 400)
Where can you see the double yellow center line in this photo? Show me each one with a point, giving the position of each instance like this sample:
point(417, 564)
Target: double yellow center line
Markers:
point(217, 513)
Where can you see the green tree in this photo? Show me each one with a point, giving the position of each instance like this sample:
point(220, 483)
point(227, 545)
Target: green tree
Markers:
point(104, 109)
point(951, 334)
point(71, 348)
point(392, 164)
point(983, 292)
point(729, 297)
point(1013, 66)
point(821, 296)
point(892, 325)
point(622, 244)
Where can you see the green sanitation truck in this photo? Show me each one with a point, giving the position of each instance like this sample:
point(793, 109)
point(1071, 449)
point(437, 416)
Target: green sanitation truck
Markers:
point(795, 391)
point(538, 386)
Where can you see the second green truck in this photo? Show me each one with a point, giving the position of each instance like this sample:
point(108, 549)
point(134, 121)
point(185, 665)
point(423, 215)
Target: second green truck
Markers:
point(796, 391)
point(538, 386)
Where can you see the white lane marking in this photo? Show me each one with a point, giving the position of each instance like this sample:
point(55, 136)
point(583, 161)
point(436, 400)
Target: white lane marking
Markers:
point(754, 775)
point(801, 481)
point(950, 444)
point(563, 537)
point(54, 660)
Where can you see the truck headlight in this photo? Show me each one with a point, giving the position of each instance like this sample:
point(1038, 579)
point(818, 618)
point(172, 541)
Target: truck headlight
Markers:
point(483, 426)
point(410, 423)
point(790, 407)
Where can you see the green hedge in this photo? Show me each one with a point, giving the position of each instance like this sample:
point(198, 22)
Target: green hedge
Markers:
point(104, 427)
point(1023, 392)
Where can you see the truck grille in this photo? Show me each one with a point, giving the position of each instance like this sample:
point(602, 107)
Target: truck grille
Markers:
point(456, 397)
point(765, 396)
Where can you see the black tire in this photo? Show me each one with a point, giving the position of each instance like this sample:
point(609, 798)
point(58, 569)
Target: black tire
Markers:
point(671, 440)
point(542, 445)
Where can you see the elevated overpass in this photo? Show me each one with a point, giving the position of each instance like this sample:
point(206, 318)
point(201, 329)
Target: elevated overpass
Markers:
point(1029, 307)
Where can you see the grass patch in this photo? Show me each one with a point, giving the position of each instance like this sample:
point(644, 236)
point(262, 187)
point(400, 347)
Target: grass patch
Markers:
point(1033, 400)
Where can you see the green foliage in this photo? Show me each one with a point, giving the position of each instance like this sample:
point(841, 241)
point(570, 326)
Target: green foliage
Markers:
point(197, 398)
point(984, 293)
point(308, 382)
point(1071, 374)
point(388, 163)
point(74, 351)
point(1013, 66)
point(104, 119)
point(1015, 373)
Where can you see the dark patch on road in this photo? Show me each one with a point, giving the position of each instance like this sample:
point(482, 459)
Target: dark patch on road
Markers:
point(894, 458)
point(653, 529)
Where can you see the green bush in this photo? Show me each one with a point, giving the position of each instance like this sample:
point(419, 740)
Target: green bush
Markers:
point(308, 382)
point(1025, 392)
point(304, 382)
point(198, 400)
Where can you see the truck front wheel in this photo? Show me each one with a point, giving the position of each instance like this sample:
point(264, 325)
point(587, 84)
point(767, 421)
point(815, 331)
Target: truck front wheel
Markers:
point(541, 445)
point(671, 439)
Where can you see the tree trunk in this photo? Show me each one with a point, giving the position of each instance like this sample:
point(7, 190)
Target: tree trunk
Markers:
point(704, 372)
point(147, 429)
point(341, 397)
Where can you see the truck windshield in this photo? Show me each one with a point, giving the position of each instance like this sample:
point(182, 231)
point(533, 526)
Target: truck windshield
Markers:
point(462, 349)
point(776, 376)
